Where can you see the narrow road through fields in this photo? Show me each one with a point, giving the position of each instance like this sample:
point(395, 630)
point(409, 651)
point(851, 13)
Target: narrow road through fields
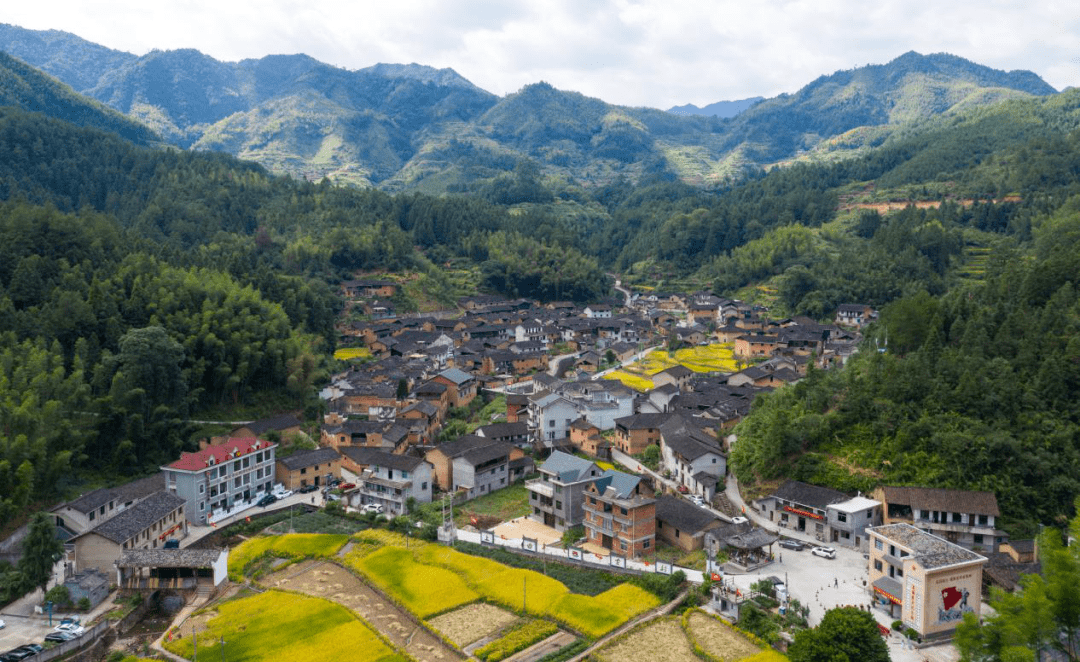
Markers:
point(644, 618)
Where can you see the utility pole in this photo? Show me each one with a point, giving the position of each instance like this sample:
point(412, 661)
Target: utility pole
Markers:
point(222, 649)
point(523, 594)
point(194, 644)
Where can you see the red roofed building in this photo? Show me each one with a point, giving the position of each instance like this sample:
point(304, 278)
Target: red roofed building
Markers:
point(221, 477)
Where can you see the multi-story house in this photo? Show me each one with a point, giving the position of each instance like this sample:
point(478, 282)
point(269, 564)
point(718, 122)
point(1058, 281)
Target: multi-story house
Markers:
point(550, 416)
point(391, 480)
point(556, 496)
point(218, 478)
point(927, 582)
point(462, 386)
point(620, 514)
point(693, 457)
point(849, 520)
point(146, 525)
point(633, 434)
point(310, 467)
point(962, 517)
point(93, 508)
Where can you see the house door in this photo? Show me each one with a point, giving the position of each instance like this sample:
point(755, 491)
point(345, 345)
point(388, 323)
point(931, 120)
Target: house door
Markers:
point(606, 543)
point(316, 481)
point(802, 523)
point(549, 520)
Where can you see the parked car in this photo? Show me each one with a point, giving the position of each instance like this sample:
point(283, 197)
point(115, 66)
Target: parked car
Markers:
point(172, 543)
point(307, 489)
point(18, 654)
point(2, 624)
point(824, 552)
point(333, 497)
point(373, 508)
point(739, 520)
point(60, 637)
point(698, 501)
point(281, 494)
point(787, 543)
point(346, 486)
point(266, 500)
point(73, 628)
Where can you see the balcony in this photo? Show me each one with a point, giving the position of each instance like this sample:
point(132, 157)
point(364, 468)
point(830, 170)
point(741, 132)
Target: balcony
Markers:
point(541, 487)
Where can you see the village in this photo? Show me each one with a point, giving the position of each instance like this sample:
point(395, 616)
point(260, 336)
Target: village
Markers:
point(617, 462)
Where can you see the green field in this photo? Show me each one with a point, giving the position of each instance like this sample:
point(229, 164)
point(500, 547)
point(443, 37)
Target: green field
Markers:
point(284, 626)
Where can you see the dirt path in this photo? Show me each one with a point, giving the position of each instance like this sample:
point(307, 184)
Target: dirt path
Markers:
point(662, 610)
point(555, 642)
point(332, 582)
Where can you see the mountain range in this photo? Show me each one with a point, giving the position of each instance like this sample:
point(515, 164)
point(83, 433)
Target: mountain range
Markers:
point(409, 126)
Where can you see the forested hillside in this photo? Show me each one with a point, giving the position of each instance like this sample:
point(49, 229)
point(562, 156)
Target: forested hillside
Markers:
point(140, 286)
point(412, 127)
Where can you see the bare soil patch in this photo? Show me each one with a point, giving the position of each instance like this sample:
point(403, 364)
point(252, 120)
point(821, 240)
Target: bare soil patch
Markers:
point(332, 582)
point(719, 640)
point(663, 641)
point(473, 622)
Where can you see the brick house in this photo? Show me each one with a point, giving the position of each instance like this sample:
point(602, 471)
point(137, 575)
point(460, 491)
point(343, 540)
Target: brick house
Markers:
point(620, 514)
point(310, 467)
point(146, 525)
point(962, 517)
point(633, 434)
point(556, 497)
point(682, 524)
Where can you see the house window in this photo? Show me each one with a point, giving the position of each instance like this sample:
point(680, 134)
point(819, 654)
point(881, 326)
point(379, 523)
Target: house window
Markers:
point(978, 539)
point(303, 471)
point(645, 545)
point(551, 423)
point(957, 518)
point(878, 544)
point(983, 520)
point(202, 506)
point(622, 511)
point(877, 565)
point(423, 486)
point(676, 533)
point(202, 488)
point(841, 517)
point(558, 505)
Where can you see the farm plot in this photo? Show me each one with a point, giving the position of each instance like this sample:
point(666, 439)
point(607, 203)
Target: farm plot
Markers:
point(717, 638)
point(461, 578)
point(291, 546)
point(332, 582)
point(661, 641)
point(703, 359)
point(284, 626)
point(473, 622)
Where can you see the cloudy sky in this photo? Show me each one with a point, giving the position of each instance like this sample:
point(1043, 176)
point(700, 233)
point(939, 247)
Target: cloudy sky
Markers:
point(635, 52)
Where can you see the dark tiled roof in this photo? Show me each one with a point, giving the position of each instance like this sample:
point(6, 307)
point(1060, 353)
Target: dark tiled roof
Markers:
point(361, 455)
point(643, 421)
point(496, 430)
point(392, 461)
point(282, 422)
point(309, 458)
point(169, 558)
point(684, 515)
point(929, 498)
point(808, 495)
point(483, 454)
point(462, 445)
point(136, 519)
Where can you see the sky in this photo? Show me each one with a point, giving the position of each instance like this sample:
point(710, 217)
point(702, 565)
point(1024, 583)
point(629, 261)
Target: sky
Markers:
point(656, 53)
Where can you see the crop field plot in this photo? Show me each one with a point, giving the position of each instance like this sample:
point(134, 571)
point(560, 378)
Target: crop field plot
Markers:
point(517, 640)
point(293, 546)
point(349, 353)
point(661, 641)
point(704, 359)
point(332, 582)
point(718, 639)
point(430, 579)
point(283, 626)
point(473, 623)
point(424, 590)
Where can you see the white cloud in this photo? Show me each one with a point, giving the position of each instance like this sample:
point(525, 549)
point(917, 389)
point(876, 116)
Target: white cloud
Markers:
point(636, 52)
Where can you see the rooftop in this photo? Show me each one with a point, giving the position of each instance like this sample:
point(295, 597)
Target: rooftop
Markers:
point(169, 558)
point(928, 550)
point(127, 524)
point(213, 455)
point(309, 458)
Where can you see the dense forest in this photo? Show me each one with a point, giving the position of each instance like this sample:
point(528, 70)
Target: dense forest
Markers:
point(140, 286)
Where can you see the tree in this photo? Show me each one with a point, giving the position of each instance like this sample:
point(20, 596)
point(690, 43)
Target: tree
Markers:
point(41, 550)
point(845, 634)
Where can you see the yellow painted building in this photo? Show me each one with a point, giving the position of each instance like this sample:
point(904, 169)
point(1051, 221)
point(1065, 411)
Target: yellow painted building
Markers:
point(925, 581)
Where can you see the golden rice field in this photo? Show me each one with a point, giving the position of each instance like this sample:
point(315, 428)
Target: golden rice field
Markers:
point(284, 626)
point(693, 637)
point(348, 353)
point(718, 357)
point(293, 545)
point(430, 579)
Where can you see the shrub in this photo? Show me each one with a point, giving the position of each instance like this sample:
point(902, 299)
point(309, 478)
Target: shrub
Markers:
point(898, 626)
point(517, 640)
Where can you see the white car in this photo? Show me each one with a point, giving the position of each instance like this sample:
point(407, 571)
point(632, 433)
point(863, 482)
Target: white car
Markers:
point(739, 520)
point(824, 552)
point(70, 628)
point(281, 494)
point(698, 501)
point(376, 508)
point(2, 624)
